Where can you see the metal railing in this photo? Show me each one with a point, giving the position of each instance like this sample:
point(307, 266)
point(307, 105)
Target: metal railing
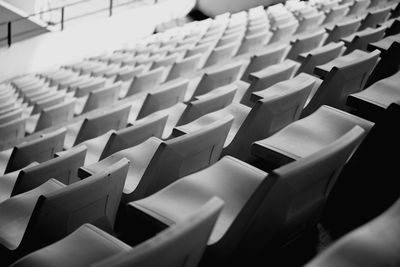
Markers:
point(62, 19)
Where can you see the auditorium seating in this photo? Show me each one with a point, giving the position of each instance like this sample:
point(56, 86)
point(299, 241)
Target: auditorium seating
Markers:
point(209, 106)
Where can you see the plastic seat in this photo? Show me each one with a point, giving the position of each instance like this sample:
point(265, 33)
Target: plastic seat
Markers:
point(97, 124)
point(271, 55)
point(253, 42)
point(283, 32)
point(215, 78)
point(145, 81)
point(374, 100)
point(358, 7)
point(129, 74)
point(341, 30)
point(63, 169)
point(51, 116)
point(163, 98)
point(85, 89)
point(184, 67)
point(269, 76)
point(281, 106)
point(251, 221)
point(335, 13)
point(12, 131)
point(374, 243)
point(113, 141)
point(100, 98)
point(306, 43)
point(48, 102)
point(222, 54)
point(361, 39)
point(318, 56)
point(306, 136)
point(40, 149)
point(375, 17)
point(310, 22)
point(11, 116)
point(341, 77)
point(40, 219)
point(157, 163)
point(181, 244)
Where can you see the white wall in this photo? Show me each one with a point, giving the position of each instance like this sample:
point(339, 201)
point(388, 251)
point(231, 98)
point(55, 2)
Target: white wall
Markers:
point(215, 7)
point(51, 50)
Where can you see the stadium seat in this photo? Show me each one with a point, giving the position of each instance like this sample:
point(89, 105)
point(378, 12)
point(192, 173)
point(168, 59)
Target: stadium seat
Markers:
point(361, 39)
point(341, 30)
point(375, 18)
point(306, 43)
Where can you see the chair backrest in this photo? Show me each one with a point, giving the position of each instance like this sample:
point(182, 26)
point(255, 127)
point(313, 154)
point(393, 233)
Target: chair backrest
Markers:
point(56, 114)
point(284, 31)
point(11, 116)
point(134, 135)
point(40, 150)
point(343, 29)
point(336, 13)
point(93, 200)
point(99, 124)
point(310, 21)
point(375, 243)
point(12, 131)
point(63, 168)
point(301, 188)
point(358, 7)
point(164, 97)
point(219, 77)
point(184, 67)
point(182, 244)
point(222, 54)
point(343, 81)
point(269, 56)
point(129, 74)
point(146, 81)
point(87, 88)
point(319, 56)
point(209, 103)
point(183, 155)
point(269, 76)
point(363, 38)
point(164, 62)
point(253, 42)
point(281, 107)
point(306, 43)
point(47, 103)
point(375, 17)
point(102, 97)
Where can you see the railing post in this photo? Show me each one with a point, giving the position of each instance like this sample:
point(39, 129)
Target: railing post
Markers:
point(9, 34)
point(111, 7)
point(62, 18)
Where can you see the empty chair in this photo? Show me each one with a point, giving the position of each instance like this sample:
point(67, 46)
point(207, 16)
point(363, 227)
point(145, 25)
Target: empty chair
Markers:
point(40, 219)
point(47, 102)
point(374, 100)
point(342, 76)
point(12, 131)
point(318, 56)
point(40, 149)
point(223, 75)
point(85, 89)
point(253, 42)
point(306, 43)
point(335, 13)
point(157, 163)
point(115, 118)
point(361, 39)
point(375, 17)
point(143, 82)
point(309, 22)
point(63, 169)
point(343, 29)
point(375, 243)
point(184, 67)
point(183, 242)
point(100, 98)
point(269, 76)
point(164, 62)
point(163, 98)
point(11, 116)
point(129, 74)
point(358, 7)
point(222, 54)
point(283, 32)
point(113, 141)
point(281, 106)
point(51, 116)
point(251, 221)
point(271, 55)
point(306, 136)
